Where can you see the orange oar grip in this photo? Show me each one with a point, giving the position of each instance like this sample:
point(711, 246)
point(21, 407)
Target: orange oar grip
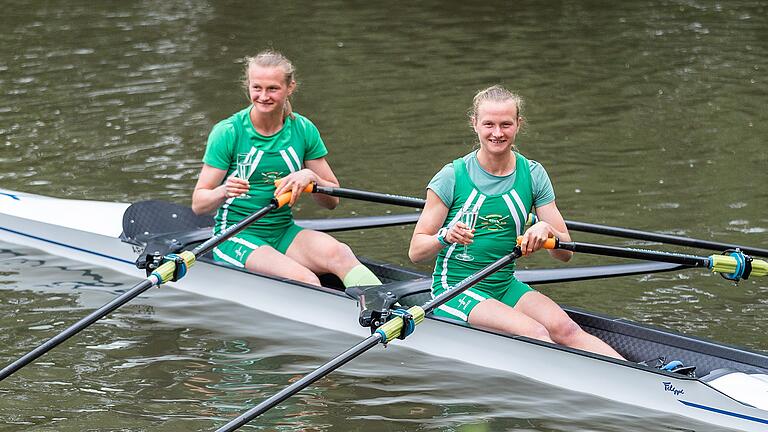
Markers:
point(550, 243)
point(310, 187)
point(283, 199)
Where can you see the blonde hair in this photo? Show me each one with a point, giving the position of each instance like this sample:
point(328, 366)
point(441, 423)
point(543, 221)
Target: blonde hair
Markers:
point(495, 93)
point(271, 59)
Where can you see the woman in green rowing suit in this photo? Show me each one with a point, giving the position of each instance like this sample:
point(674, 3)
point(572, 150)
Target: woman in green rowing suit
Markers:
point(503, 187)
point(278, 143)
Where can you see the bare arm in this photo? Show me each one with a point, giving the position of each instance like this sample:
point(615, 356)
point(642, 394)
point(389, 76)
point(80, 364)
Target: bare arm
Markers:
point(551, 224)
point(210, 193)
point(424, 242)
point(317, 171)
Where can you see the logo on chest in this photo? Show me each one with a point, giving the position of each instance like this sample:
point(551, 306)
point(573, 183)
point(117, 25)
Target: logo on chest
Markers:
point(492, 222)
point(271, 176)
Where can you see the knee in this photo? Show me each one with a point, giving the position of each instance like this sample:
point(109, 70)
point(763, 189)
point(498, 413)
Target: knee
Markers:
point(341, 256)
point(529, 328)
point(539, 332)
point(308, 277)
point(565, 331)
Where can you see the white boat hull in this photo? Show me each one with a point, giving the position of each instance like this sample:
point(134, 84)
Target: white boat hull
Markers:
point(88, 231)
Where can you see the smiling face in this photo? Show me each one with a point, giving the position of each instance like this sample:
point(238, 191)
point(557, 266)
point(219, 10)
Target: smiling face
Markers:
point(268, 89)
point(496, 124)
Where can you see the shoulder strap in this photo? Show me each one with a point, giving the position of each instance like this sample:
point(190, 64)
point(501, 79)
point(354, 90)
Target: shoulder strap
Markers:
point(523, 168)
point(459, 170)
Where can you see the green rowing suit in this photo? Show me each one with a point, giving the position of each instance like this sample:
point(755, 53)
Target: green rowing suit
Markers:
point(270, 158)
point(501, 220)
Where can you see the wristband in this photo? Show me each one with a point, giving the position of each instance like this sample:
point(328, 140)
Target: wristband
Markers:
point(441, 234)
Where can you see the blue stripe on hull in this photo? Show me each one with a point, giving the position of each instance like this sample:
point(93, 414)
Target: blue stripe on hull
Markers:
point(724, 412)
point(67, 246)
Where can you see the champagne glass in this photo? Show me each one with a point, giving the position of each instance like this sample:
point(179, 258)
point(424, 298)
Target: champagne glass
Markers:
point(469, 218)
point(243, 169)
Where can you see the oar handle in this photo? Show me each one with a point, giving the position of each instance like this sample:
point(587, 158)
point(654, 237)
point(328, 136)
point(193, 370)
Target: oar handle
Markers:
point(309, 188)
point(550, 243)
point(285, 198)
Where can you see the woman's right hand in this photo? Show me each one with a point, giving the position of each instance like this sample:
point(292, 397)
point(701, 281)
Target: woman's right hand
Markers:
point(236, 187)
point(460, 233)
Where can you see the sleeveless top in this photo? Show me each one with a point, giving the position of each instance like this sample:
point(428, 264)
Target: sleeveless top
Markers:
point(500, 221)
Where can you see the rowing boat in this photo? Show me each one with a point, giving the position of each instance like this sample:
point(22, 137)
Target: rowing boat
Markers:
point(729, 389)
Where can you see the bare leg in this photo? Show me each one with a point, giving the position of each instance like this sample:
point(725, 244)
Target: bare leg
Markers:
point(495, 315)
point(560, 326)
point(321, 253)
point(267, 260)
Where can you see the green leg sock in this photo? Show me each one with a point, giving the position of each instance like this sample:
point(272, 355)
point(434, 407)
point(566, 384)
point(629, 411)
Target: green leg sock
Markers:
point(360, 275)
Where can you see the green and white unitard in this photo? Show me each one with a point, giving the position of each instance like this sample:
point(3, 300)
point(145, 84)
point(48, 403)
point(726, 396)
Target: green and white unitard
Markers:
point(271, 157)
point(503, 203)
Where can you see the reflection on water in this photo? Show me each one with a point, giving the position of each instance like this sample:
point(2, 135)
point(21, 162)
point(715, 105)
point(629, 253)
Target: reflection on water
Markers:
point(646, 115)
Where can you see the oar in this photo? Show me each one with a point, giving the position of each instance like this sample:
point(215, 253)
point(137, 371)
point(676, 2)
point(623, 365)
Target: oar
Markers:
point(661, 238)
point(572, 225)
point(573, 274)
point(376, 197)
point(399, 327)
point(733, 264)
point(171, 270)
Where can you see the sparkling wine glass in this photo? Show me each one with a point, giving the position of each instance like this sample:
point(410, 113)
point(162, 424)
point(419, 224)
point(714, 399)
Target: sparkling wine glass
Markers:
point(469, 218)
point(243, 169)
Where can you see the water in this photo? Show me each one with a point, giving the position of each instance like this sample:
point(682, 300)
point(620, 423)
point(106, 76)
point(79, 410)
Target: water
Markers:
point(173, 361)
point(648, 115)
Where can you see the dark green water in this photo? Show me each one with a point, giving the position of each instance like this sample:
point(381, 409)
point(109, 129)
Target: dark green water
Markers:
point(649, 115)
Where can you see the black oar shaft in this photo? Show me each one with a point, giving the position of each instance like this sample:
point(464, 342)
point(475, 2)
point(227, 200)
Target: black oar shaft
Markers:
point(75, 328)
point(381, 198)
point(615, 251)
point(462, 286)
point(212, 242)
point(299, 385)
point(661, 238)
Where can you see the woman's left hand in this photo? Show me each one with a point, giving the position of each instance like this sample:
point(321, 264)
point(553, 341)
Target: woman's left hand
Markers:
point(295, 183)
point(535, 236)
